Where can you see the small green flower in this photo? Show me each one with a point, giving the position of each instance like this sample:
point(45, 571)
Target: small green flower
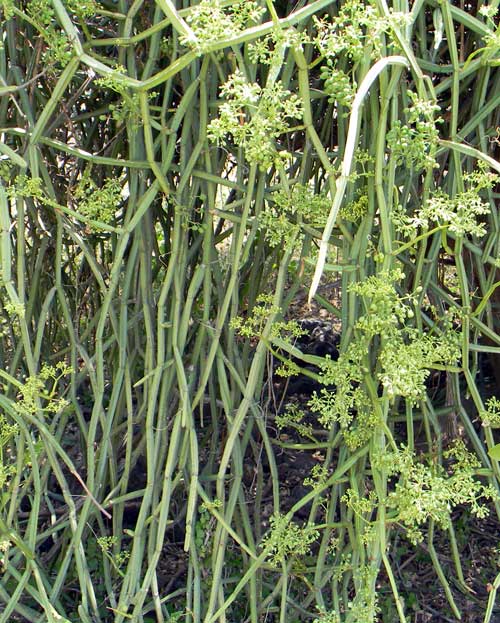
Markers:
point(7, 430)
point(319, 475)
point(292, 417)
point(98, 203)
point(83, 9)
point(327, 617)
point(460, 213)
point(287, 369)
point(269, 49)
point(211, 22)
point(426, 490)
point(282, 219)
point(25, 186)
point(15, 309)
point(7, 7)
point(416, 142)
point(491, 416)
point(287, 539)
point(253, 117)
point(34, 395)
point(117, 559)
point(346, 34)
point(253, 325)
point(338, 85)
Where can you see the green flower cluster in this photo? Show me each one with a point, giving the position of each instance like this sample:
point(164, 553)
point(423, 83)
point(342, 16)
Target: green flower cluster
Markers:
point(15, 310)
point(361, 506)
point(117, 559)
point(127, 108)
point(426, 490)
point(491, 415)
point(253, 325)
point(327, 617)
point(292, 417)
point(287, 539)
point(83, 9)
point(210, 21)
point(98, 203)
point(415, 142)
point(490, 52)
point(281, 221)
point(406, 355)
point(406, 365)
point(7, 432)
point(253, 117)
point(459, 214)
point(59, 49)
point(41, 389)
point(338, 85)
point(266, 51)
point(318, 476)
point(25, 186)
point(287, 369)
point(345, 35)
point(10, 323)
point(388, 351)
point(348, 404)
point(364, 607)
point(7, 7)
point(357, 208)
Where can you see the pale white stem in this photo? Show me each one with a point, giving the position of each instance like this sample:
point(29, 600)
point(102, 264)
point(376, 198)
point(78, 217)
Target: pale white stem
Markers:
point(351, 143)
point(177, 22)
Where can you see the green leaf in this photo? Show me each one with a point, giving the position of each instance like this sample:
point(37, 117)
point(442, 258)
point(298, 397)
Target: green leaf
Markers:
point(495, 452)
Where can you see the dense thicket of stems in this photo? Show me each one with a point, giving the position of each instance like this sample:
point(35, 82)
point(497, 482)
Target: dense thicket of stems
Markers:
point(173, 177)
